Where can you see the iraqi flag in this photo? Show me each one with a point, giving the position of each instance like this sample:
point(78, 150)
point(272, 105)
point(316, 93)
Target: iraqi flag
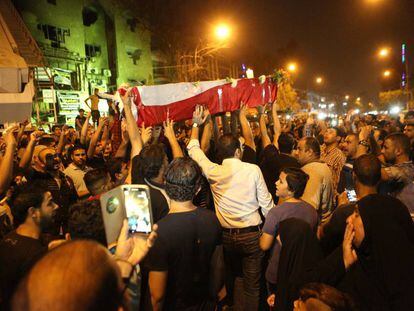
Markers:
point(177, 101)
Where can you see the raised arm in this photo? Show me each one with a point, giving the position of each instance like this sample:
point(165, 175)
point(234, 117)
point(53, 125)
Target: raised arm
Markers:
point(86, 102)
point(169, 133)
point(207, 132)
point(6, 166)
point(28, 152)
point(62, 139)
point(277, 128)
point(84, 131)
point(263, 128)
point(132, 127)
point(245, 127)
point(105, 135)
point(95, 138)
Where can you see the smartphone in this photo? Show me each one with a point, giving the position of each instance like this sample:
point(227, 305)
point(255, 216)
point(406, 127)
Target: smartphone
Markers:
point(131, 202)
point(138, 209)
point(351, 194)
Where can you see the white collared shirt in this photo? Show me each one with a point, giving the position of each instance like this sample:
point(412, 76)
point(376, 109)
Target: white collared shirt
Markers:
point(77, 174)
point(238, 188)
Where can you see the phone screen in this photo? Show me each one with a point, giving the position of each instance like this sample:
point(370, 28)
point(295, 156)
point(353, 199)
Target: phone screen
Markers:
point(352, 197)
point(137, 210)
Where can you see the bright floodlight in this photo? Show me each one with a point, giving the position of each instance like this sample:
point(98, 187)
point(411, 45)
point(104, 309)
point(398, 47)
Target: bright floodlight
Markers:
point(292, 67)
point(347, 97)
point(222, 31)
point(319, 80)
point(384, 52)
point(395, 110)
point(387, 73)
point(322, 115)
point(356, 111)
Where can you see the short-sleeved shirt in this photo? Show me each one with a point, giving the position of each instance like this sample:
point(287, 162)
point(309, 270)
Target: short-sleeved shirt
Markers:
point(301, 210)
point(185, 245)
point(18, 254)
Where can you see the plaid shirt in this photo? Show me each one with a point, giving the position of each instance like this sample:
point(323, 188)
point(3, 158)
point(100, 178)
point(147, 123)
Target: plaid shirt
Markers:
point(335, 160)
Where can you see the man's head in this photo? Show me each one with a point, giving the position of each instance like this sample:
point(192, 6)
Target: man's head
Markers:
point(308, 150)
point(56, 130)
point(78, 156)
point(33, 204)
point(350, 146)
point(286, 143)
point(85, 221)
point(228, 146)
point(98, 181)
point(96, 91)
point(396, 148)
point(81, 112)
point(118, 169)
point(367, 170)
point(182, 179)
point(89, 280)
point(150, 163)
point(332, 136)
point(370, 118)
point(409, 131)
point(46, 159)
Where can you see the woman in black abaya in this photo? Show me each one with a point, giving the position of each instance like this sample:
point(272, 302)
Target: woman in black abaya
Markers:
point(382, 278)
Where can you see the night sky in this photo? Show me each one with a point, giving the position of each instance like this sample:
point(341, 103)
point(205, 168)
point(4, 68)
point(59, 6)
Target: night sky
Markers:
point(337, 39)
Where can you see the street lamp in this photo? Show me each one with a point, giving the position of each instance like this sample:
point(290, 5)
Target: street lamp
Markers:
point(319, 80)
point(222, 31)
point(386, 73)
point(384, 52)
point(292, 67)
point(347, 97)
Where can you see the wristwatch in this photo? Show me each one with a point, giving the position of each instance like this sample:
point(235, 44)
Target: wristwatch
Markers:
point(364, 143)
point(195, 124)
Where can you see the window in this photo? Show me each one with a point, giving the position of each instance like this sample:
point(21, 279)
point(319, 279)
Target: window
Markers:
point(92, 50)
point(55, 34)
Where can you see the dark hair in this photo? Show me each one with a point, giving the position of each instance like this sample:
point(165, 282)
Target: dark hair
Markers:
point(330, 296)
point(74, 148)
point(227, 146)
point(95, 179)
point(149, 162)
point(54, 127)
point(182, 179)
point(286, 143)
point(312, 144)
point(81, 110)
point(25, 197)
point(296, 180)
point(409, 114)
point(367, 169)
point(114, 167)
point(339, 131)
point(85, 221)
point(401, 140)
point(46, 141)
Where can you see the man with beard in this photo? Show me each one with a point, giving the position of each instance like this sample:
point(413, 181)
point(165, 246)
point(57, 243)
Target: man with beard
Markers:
point(350, 148)
point(46, 170)
point(77, 169)
point(32, 208)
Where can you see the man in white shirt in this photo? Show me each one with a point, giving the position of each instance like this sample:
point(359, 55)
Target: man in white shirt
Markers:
point(319, 191)
point(239, 191)
point(77, 169)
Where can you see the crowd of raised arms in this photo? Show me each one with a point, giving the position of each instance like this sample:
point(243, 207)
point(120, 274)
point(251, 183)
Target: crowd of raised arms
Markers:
point(264, 212)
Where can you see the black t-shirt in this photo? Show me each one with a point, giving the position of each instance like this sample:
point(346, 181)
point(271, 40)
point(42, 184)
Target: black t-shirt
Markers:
point(249, 155)
point(272, 163)
point(186, 242)
point(18, 254)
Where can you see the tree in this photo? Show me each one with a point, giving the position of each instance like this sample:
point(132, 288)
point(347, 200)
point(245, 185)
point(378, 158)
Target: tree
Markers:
point(392, 98)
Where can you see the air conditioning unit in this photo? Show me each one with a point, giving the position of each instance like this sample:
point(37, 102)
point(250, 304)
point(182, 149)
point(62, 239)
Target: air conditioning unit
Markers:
point(107, 72)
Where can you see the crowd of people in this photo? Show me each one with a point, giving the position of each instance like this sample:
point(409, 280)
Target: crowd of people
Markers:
point(257, 211)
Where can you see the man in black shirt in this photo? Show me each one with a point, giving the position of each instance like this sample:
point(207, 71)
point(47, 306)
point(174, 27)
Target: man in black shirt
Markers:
point(179, 262)
point(80, 120)
point(32, 209)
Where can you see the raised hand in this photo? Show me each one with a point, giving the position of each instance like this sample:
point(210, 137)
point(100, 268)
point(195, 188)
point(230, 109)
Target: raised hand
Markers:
point(243, 109)
point(35, 135)
point(365, 132)
point(198, 115)
point(146, 133)
point(349, 253)
point(169, 129)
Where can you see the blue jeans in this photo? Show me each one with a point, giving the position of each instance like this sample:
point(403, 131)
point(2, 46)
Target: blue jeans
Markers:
point(243, 257)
